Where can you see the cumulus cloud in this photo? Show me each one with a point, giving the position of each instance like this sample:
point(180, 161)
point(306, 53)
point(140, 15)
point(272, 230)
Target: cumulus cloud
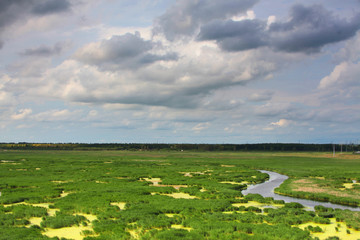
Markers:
point(262, 96)
point(186, 16)
point(101, 73)
point(45, 51)
point(311, 28)
point(201, 126)
point(281, 123)
point(12, 11)
point(50, 7)
point(58, 115)
point(235, 35)
point(23, 113)
point(344, 75)
point(274, 109)
point(307, 30)
point(351, 50)
point(124, 51)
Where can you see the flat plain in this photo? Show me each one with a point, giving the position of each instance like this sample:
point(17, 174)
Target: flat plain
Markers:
point(174, 195)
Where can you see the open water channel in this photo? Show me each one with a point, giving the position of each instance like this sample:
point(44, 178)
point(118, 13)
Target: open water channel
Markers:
point(266, 189)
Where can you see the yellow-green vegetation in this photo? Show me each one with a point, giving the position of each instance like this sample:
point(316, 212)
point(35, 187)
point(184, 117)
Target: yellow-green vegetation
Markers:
point(101, 195)
point(334, 228)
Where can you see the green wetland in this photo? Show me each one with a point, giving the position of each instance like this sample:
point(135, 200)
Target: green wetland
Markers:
point(107, 195)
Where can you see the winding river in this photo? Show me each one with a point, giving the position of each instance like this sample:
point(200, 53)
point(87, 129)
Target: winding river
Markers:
point(266, 189)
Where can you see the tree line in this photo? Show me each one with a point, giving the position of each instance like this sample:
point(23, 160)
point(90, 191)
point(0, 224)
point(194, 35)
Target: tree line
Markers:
point(288, 147)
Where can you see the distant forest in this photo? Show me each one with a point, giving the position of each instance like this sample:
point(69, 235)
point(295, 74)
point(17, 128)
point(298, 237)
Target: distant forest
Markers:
point(182, 147)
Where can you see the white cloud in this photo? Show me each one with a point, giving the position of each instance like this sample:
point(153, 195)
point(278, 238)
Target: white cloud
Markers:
point(268, 128)
point(250, 14)
point(200, 127)
point(345, 75)
point(59, 115)
point(93, 113)
point(23, 113)
point(229, 130)
point(281, 123)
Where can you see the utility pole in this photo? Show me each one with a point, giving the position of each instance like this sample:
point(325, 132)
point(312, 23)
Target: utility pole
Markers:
point(333, 150)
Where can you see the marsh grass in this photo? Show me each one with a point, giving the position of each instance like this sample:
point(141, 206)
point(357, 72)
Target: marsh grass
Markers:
point(86, 191)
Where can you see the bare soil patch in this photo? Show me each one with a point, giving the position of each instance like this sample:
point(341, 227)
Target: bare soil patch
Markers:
point(308, 185)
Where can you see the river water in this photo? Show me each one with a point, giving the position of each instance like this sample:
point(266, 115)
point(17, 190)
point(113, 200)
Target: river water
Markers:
point(266, 189)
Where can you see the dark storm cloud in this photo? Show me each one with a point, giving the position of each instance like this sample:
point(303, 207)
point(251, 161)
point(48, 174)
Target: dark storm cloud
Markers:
point(307, 30)
point(125, 51)
point(12, 11)
point(44, 51)
point(235, 35)
point(187, 15)
point(311, 28)
point(50, 6)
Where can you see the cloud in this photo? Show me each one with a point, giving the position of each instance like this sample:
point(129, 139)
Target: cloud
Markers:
point(260, 97)
point(201, 126)
point(124, 51)
point(23, 113)
point(344, 75)
point(58, 115)
point(281, 123)
point(307, 30)
point(351, 50)
point(50, 6)
point(274, 109)
point(185, 16)
point(45, 51)
point(100, 73)
point(15, 11)
point(7, 97)
point(235, 35)
point(311, 28)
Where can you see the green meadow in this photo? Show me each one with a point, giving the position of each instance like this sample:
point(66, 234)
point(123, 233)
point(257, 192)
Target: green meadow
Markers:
point(107, 195)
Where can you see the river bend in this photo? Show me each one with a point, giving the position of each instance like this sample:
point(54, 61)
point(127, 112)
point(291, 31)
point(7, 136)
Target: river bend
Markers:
point(266, 189)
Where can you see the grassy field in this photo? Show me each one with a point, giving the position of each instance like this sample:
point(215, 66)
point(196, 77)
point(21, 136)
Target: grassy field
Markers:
point(173, 195)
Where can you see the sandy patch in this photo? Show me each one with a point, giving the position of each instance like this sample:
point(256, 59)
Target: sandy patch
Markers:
point(154, 181)
point(236, 183)
point(34, 221)
point(51, 211)
point(190, 174)
point(177, 187)
point(177, 226)
point(258, 205)
point(100, 182)
point(121, 205)
point(302, 181)
point(61, 182)
point(306, 185)
point(228, 166)
point(64, 194)
point(329, 230)
point(67, 232)
point(89, 217)
point(350, 185)
point(181, 195)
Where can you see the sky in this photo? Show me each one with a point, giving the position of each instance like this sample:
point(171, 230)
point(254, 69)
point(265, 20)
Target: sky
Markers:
point(180, 71)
